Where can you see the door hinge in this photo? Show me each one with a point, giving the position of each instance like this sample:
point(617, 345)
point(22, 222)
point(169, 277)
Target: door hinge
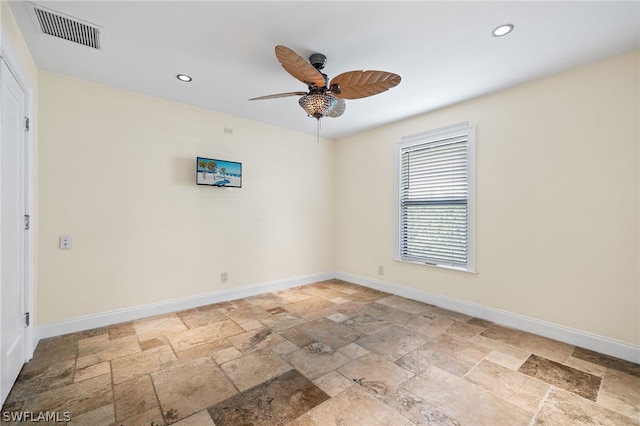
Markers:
point(27, 319)
point(27, 222)
point(26, 124)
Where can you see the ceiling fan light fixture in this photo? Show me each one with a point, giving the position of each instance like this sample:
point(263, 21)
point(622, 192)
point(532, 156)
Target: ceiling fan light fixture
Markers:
point(318, 105)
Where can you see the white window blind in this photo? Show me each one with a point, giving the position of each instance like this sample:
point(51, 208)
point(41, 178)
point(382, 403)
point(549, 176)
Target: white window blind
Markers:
point(436, 198)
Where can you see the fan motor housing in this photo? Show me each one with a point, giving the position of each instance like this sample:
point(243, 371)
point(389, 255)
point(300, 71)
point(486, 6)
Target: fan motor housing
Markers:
point(318, 60)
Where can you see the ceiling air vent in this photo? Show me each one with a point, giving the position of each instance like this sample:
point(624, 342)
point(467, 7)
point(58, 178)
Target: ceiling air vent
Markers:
point(68, 28)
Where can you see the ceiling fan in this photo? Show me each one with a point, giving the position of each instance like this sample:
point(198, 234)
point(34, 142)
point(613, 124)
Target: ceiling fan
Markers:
point(324, 98)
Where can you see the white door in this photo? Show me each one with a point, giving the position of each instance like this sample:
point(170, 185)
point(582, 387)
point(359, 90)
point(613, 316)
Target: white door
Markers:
point(12, 230)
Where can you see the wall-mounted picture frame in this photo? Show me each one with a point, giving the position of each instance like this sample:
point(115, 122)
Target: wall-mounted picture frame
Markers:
point(220, 173)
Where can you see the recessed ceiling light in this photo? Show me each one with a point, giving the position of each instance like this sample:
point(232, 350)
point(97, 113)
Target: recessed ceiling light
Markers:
point(502, 30)
point(184, 77)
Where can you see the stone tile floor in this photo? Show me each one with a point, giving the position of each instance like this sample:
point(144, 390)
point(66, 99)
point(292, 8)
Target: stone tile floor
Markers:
point(330, 353)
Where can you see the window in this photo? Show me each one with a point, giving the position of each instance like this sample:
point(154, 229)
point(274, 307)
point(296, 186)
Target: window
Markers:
point(436, 202)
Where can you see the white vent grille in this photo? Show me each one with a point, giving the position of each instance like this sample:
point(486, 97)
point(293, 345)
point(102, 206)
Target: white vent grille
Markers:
point(68, 28)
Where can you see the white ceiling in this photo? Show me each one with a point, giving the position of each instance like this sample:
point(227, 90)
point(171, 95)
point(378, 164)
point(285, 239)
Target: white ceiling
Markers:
point(444, 51)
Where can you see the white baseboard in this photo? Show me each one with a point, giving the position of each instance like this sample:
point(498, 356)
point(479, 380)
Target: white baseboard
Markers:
point(108, 318)
point(582, 339)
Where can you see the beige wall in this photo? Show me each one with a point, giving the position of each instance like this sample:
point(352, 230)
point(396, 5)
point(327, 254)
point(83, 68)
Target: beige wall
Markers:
point(557, 223)
point(117, 173)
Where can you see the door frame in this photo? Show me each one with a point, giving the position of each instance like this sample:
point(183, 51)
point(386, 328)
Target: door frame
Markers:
point(10, 58)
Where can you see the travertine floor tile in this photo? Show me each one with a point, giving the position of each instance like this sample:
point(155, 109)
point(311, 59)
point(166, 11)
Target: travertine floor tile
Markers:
point(226, 355)
point(586, 366)
point(353, 350)
point(376, 374)
point(621, 392)
point(410, 306)
point(584, 384)
point(449, 314)
point(161, 325)
point(321, 330)
point(252, 325)
point(267, 301)
point(607, 361)
point(399, 317)
point(76, 398)
point(101, 416)
point(92, 371)
point(392, 342)
point(419, 359)
point(124, 329)
point(39, 377)
point(506, 360)
point(154, 342)
point(201, 418)
point(150, 417)
point(418, 411)
point(206, 349)
point(248, 315)
point(284, 347)
point(95, 350)
point(338, 317)
point(254, 368)
point(256, 339)
point(188, 387)
point(307, 307)
point(547, 348)
point(480, 322)
point(333, 383)
point(134, 397)
point(464, 330)
point(464, 402)
point(282, 321)
point(294, 295)
point(325, 290)
point(562, 408)
point(53, 350)
point(354, 406)
point(511, 354)
point(316, 359)
point(430, 327)
point(512, 386)
point(139, 364)
point(378, 310)
point(274, 402)
point(366, 324)
point(462, 351)
point(181, 341)
point(194, 318)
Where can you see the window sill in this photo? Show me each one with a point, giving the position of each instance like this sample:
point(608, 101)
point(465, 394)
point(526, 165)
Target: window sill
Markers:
point(433, 265)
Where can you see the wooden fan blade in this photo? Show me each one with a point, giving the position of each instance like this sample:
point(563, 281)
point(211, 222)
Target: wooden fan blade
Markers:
point(278, 95)
point(360, 84)
point(298, 67)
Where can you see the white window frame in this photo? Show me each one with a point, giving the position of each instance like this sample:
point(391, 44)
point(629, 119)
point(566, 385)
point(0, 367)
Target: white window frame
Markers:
point(454, 131)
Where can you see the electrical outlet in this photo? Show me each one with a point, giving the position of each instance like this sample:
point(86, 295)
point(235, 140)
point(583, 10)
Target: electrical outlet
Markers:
point(65, 241)
point(224, 277)
point(228, 130)
point(380, 270)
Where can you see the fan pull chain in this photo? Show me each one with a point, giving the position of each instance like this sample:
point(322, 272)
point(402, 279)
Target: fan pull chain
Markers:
point(318, 131)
